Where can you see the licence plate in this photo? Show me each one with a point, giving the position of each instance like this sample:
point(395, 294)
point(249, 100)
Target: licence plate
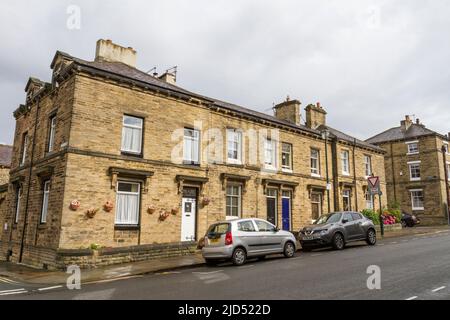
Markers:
point(214, 240)
point(311, 237)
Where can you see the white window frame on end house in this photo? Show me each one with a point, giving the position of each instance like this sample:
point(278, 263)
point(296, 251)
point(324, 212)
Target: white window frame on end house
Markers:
point(368, 165)
point(191, 146)
point(234, 146)
point(270, 154)
point(369, 200)
point(52, 133)
point(414, 195)
point(233, 200)
point(132, 132)
point(45, 199)
point(447, 150)
point(448, 170)
point(286, 157)
point(128, 204)
point(345, 162)
point(18, 200)
point(315, 162)
point(24, 149)
point(412, 151)
point(413, 165)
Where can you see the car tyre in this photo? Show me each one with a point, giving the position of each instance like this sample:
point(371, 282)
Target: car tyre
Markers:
point(289, 250)
point(338, 241)
point(371, 237)
point(404, 224)
point(239, 257)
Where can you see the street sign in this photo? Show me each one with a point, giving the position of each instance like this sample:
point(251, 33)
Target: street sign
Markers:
point(374, 185)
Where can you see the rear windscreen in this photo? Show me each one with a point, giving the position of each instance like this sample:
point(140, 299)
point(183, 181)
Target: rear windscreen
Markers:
point(219, 229)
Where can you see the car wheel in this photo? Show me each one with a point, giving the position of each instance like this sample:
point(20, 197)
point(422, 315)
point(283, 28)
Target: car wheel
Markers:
point(239, 257)
point(210, 262)
point(289, 250)
point(371, 237)
point(338, 241)
point(404, 225)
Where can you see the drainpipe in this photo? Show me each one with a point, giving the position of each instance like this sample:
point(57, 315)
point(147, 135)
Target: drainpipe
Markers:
point(444, 154)
point(335, 174)
point(22, 242)
point(354, 173)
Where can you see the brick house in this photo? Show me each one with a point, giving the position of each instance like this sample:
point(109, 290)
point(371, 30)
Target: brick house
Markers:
point(107, 154)
point(417, 163)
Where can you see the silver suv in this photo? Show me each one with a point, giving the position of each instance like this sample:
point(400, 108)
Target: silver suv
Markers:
point(239, 239)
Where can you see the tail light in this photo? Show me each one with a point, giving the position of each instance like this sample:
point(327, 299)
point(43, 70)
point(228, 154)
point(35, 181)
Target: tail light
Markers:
point(228, 238)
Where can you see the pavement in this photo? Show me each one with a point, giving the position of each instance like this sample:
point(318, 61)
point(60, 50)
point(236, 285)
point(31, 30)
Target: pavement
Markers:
point(408, 248)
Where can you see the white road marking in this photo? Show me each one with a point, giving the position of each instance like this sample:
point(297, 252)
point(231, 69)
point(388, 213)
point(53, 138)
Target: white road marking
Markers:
point(6, 291)
point(13, 292)
point(49, 288)
point(5, 280)
point(113, 280)
point(412, 298)
point(206, 273)
point(438, 289)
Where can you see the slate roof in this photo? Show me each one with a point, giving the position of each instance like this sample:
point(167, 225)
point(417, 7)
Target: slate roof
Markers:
point(128, 72)
point(397, 133)
point(5, 155)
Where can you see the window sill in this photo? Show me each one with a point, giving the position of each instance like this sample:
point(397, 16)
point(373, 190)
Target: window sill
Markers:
point(131, 154)
point(285, 170)
point(415, 180)
point(413, 153)
point(346, 174)
point(126, 227)
point(315, 175)
point(418, 209)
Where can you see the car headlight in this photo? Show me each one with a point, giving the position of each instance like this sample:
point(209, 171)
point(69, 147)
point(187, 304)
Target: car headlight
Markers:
point(323, 232)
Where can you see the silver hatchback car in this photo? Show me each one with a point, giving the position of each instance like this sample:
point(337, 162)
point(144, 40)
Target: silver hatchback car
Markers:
point(239, 239)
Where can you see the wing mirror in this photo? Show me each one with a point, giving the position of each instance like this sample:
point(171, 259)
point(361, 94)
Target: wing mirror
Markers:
point(344, 221)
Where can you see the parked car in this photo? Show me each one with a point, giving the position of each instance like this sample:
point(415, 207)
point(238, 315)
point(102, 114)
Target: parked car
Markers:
point(409, 220)
point(239, 239)
point(336, 230)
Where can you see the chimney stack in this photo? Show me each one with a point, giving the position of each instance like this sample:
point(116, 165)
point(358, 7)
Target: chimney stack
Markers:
point(107, 51)
point(407, 123)
point(168, 77)
point(316, 116)
point(288, 110)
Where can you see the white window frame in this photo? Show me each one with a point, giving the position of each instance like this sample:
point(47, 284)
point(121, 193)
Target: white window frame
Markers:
point(347, 193)
point(45, 201)
point(412, 200)
point(369, 200)
point(125, 127)
point(270, 160)
point(409, 144)
point(52, 133)
point(239, 201)
point(448, 170)
point(192, 157)
point(410, 166)
point(345, 162)
point(24, 149)
point(234, 138)
point(368, 165)
point(138, 194)
point(315, 171)
point(287, 168)
point(447, 151)
point(18, 200)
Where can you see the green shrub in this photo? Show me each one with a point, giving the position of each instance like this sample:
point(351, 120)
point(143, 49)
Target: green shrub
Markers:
point(372, 215)
point(397, 213)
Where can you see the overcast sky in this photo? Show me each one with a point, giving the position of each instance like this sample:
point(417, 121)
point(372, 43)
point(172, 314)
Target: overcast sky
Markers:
point(368, 62)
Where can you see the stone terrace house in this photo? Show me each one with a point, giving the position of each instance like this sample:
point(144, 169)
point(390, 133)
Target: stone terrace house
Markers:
point(107, 154)
point(417, 163)
point(5, 165)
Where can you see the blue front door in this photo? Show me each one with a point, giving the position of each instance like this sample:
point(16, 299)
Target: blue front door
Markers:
point(286, 212)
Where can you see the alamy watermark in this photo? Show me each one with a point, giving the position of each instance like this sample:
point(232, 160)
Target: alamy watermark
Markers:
point(374, 280)
point(74, 17)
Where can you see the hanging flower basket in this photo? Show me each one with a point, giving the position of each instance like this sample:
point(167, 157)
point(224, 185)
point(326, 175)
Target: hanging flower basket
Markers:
point(206, 201)
point(75, 205)
point(151, 209)
point(175, 211)
point(91, 212)
point(108, 206)
point(163, 215)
